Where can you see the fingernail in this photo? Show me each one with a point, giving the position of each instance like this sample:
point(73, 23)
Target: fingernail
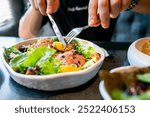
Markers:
point(112, 16)
point(49, 11)
point(105, 25)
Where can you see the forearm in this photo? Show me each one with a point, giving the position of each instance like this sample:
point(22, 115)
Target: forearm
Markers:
point(30, 23)
point(143, 7)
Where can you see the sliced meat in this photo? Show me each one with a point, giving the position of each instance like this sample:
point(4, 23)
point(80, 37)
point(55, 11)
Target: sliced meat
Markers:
point(76, 59)
point(70, 57)
point(65, 55)
point(43, 42)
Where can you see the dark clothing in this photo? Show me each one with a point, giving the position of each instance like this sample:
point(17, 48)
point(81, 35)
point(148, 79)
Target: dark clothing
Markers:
point(74, 13)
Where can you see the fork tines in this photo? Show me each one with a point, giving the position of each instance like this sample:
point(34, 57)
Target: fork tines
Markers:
point(70, 36)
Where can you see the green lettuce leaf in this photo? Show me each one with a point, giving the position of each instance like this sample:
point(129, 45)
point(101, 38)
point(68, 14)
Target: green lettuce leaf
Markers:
point(36, 55)
point(30, 59)
point(144, 77)
point(16, 62)
point(85, 49)
point(50, 66)
point(120, 95)
point(88, 64)
point(11, 52)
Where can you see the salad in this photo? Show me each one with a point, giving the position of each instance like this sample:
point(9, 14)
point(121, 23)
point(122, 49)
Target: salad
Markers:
point(49, 56)
point(128, 84)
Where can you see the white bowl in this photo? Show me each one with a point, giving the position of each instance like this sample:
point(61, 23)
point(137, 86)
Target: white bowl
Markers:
point(105, 95)
point(135, 56)
point(56, 81)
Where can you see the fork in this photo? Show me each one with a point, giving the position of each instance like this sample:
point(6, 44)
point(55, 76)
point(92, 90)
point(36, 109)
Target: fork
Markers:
point(74, 32)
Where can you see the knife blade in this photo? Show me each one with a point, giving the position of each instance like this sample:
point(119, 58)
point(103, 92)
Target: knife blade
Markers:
point(56, 30)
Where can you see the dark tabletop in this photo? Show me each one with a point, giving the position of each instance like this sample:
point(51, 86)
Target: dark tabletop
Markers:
point(11, 90)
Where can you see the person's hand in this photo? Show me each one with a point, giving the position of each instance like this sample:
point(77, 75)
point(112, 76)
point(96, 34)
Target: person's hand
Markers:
point(45, 6)
point(100, 11)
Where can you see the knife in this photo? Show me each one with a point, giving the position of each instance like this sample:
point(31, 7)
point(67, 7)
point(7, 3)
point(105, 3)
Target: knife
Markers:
point(56, 30)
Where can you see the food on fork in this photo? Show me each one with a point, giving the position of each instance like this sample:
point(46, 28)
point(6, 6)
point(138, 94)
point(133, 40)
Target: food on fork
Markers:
point(49, 56)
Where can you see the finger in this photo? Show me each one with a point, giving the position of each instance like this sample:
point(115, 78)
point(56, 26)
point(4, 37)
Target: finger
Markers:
point(56, 5)
point(125, 4)
point(32, 2)
point(36, 5)
point(50, 6)
point(115, 8)
point(97, 24)
point(42, 6)
point(104, 14)
point(92, 13)
point(97, 21)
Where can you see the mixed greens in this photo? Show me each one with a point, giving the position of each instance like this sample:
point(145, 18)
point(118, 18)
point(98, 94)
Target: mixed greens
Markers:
point(128, 84)
point(49, 56)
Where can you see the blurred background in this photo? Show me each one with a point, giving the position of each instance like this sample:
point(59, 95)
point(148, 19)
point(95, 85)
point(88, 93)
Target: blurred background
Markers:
point(10, 13)
point(130, 26)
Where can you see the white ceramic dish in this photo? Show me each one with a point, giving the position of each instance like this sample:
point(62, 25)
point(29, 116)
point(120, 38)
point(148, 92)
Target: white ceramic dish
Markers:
point(102, 88)
point(135, 56)
point(56, 81)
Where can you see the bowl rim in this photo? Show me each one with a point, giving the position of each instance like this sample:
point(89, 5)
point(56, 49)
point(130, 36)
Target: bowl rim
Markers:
point(53, 76)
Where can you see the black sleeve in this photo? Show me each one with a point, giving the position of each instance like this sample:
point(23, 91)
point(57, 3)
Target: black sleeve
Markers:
point(45, 20)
